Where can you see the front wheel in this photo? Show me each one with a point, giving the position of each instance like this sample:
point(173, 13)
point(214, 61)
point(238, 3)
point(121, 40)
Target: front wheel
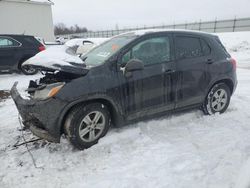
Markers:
point(85, 125)
point(217, 100)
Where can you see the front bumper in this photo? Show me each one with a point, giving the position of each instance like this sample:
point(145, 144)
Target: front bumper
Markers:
point(41, 117)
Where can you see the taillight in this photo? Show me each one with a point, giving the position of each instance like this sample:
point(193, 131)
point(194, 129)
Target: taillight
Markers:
point(233, 62)
point(41, 48)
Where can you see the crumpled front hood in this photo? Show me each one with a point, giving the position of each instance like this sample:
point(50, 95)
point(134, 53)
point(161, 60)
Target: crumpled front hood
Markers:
point(58, 58)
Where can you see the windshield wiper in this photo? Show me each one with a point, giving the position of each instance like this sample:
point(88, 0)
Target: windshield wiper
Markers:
point(84, 58)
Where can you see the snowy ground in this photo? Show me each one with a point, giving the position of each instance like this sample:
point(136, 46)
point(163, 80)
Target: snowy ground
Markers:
point(183, 150)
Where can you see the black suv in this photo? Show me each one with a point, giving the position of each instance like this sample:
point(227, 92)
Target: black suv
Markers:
point(16, 49)
point(133, 76)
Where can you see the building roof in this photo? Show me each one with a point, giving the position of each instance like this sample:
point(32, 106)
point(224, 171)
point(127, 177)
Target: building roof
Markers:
point(46, 2)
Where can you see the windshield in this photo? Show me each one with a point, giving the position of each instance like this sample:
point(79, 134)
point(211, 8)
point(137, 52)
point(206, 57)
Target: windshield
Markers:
point(100, 54)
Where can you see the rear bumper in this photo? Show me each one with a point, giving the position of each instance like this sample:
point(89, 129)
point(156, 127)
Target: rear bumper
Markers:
point(41, 117)
point(235, 82)
point(235, 86)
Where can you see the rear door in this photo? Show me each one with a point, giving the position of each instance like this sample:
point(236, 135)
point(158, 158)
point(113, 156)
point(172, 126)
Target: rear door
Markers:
point(192, 58)
point(8, 49)
point(150, 90)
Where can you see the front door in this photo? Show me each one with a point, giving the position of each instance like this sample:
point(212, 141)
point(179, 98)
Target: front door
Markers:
point(151, 90)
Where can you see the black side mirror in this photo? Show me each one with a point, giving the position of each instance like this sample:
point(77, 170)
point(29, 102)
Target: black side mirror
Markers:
point(134, 65)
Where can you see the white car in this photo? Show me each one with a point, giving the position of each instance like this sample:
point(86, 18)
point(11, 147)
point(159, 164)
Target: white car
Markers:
point(85, 45)
point(55, 56)
point(64, 55)
point(61, 40)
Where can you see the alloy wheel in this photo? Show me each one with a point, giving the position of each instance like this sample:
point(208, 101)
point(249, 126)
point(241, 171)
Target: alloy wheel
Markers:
point(92, 126)
point(219, 100)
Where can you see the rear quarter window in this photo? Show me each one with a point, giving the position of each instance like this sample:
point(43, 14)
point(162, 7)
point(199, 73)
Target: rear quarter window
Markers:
point(31, 41)
point(217, 40)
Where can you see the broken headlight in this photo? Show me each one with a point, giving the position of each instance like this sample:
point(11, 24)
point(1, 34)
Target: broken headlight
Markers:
point(49, 91)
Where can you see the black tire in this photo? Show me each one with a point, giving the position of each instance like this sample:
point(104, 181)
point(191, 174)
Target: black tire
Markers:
point(75, 122)
point(209, 106)
point(28, 70)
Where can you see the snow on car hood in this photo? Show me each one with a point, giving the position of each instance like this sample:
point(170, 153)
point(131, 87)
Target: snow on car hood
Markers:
point(57, 58)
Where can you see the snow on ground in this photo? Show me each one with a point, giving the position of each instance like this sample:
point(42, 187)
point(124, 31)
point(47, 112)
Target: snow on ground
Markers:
point(181, 150)
point(238, 45)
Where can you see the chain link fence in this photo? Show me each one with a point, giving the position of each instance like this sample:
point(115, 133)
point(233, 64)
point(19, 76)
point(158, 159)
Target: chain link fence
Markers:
point(215, 26)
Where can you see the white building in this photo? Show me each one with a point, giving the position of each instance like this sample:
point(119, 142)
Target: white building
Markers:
point(29, 17)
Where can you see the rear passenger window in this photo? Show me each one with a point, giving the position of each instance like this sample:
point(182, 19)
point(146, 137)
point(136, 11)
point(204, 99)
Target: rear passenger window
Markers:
point(206, 50)
point(5, 42)
point(187, 47)
point(8, 42)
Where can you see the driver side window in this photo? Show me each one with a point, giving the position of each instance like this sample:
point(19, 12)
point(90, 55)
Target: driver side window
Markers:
point(151, 51)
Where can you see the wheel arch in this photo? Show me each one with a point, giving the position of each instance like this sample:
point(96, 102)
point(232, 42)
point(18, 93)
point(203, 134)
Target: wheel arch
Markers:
point(22, 60)
point(115, 113)
point(226, 81)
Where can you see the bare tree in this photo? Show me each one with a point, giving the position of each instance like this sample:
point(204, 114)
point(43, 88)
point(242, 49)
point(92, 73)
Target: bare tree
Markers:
point(62, 29)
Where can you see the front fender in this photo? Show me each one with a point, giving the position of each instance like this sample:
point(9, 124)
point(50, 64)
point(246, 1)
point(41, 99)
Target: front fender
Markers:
point(118, 113)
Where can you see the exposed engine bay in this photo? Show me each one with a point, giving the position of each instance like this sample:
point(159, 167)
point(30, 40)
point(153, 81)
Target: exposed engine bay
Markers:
point(42, 88)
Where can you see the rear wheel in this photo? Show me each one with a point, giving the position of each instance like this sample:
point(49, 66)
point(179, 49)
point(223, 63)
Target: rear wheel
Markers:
point(217, 100)
point(85, 125)
point(28, 70)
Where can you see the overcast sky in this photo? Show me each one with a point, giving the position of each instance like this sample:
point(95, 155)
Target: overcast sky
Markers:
point(105, 14)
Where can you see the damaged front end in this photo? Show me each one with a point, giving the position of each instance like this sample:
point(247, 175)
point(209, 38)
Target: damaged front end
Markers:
point(40, 116)
point(41, 110)
point(49, 85)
